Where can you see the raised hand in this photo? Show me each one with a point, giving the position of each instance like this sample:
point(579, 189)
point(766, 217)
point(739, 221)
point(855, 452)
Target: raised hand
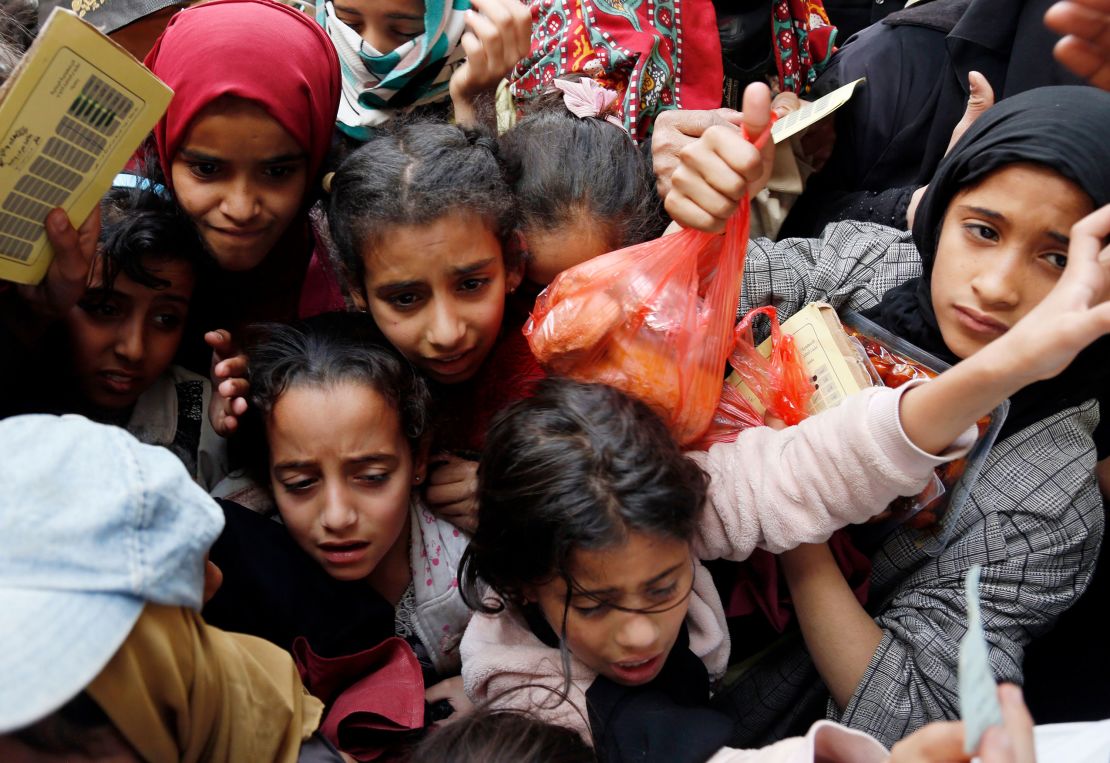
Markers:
point(229, 383)
point(498, 35)
point(68, 276)
point(1085, 48)
point(453, 490)
point(979, 99)
point(1039, 346)
point(677, 128)
point(1076, 312)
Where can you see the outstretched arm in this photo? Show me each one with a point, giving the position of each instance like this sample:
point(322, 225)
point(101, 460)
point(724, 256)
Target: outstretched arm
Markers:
point(1035, 514)
point(847, 463)
point(1041, 345)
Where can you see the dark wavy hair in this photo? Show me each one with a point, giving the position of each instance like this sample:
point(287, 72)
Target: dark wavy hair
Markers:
point(561, 167)
point(18, 26)
point(486, 736)
point(321, 351)
point(577, 466)
point(413, 172)
point(141, 222)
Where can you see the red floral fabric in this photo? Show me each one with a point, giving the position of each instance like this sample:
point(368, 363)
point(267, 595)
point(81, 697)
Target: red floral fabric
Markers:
point(657, 54)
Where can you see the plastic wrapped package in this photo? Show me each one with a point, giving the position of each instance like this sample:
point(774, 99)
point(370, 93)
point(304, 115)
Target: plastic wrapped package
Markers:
point(935, 510)
point(780, 381)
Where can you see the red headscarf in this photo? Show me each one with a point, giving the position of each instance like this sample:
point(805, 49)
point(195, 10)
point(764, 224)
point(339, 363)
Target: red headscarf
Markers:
point(259, 50)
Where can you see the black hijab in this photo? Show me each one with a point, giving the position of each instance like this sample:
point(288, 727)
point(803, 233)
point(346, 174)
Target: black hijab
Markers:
point(1062, 128)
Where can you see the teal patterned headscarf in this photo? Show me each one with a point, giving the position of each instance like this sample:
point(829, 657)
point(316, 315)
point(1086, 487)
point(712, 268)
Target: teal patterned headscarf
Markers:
point(375, 86)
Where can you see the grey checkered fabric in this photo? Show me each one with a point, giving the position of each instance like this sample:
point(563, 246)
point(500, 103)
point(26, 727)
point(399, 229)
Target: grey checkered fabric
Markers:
point(851, 266)
point(1034, 521)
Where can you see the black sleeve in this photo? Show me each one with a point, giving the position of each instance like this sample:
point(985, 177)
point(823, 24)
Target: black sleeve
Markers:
point(319, 750)
point(23, 375)
point(647, 724)
point(880, 132)
point(671, 718)
point(812, 213)
point(1102, 431)
point(273, 590)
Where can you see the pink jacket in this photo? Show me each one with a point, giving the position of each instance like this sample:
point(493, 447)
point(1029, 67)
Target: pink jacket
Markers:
point(774, 489)
point(826, 741)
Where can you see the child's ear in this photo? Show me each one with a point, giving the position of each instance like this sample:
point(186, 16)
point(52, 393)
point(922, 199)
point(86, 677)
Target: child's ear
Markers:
point(355, 294)
point(515, 250)
point(520, 246)
point(420, 461)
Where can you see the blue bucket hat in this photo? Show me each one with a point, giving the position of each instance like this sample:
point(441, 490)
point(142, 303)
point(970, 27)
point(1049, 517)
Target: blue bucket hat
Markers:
point(93, 524)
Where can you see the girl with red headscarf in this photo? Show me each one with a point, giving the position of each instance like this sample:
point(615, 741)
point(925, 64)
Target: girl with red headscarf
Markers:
point(241, 148)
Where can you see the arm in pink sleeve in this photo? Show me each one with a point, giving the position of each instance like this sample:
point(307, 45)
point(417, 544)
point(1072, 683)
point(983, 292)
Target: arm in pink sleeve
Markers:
point(776, 489)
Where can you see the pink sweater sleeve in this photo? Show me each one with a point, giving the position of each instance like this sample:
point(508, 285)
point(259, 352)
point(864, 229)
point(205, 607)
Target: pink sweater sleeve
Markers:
point(776, 489)
point(826, 742)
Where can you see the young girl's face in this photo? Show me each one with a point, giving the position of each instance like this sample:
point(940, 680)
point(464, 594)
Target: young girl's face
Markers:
point(125, 337)
point(550, 252)
point(650, 576)
point(385, 24)
point(241, 178)
point(437, 292)
point(341, 472)
point(1002, 247)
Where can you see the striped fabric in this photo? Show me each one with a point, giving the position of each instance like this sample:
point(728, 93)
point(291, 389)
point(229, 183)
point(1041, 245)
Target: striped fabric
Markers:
point(1034, 521)
point(418, 72)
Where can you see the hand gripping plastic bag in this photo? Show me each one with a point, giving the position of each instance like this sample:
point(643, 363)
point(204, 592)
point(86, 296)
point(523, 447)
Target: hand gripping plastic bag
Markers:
point(654, 320)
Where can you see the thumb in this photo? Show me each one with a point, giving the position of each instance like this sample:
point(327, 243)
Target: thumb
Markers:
point(980, 98)
point(213, 579)
point(221, 343)
point(756, 109)
point(996, 746)
point(89, 232)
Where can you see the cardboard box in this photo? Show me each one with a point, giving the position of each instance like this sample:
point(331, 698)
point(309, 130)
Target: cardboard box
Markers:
point(71, 115)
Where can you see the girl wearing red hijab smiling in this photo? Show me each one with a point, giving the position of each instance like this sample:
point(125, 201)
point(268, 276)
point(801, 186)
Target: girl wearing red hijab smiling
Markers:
point(242, 145)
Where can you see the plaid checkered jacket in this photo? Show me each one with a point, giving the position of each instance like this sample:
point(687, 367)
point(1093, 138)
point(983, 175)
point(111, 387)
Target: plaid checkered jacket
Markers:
point(1034, 521)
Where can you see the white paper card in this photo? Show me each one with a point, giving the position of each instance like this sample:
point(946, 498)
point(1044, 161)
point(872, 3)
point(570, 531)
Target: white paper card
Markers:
point(796, 121)
point(979, 706)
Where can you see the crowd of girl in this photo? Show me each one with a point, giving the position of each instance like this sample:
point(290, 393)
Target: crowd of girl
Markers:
point(309, 285)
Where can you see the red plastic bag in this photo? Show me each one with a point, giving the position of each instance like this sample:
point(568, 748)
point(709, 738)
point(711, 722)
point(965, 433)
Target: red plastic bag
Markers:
point(734, 414)
point(780, 381)
point(654, 320)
